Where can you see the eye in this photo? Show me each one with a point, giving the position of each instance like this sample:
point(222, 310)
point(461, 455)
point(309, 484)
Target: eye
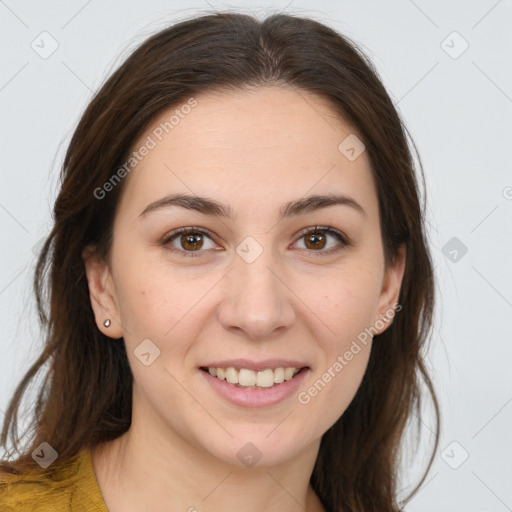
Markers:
point(316, 239)
point(190, 240)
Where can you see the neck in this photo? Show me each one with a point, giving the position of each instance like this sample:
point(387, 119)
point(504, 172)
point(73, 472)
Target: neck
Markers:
point(151, 467)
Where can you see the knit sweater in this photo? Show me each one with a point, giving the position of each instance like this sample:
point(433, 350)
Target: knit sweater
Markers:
point(69, 486)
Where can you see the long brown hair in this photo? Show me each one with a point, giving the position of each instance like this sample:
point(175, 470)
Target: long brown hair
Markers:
point(85, 398)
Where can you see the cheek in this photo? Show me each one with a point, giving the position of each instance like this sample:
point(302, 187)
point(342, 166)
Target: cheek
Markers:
point(168, 308)
point(151, 297)
point(347, 306)
point(346, 303)
point(330, 390)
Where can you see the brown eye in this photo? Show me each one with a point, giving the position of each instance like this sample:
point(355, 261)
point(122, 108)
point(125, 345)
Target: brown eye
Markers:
point(191, 241)
point(188, 241)
point(316, 239)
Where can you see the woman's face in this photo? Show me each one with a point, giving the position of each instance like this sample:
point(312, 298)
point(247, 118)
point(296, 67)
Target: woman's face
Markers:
point(258, 289)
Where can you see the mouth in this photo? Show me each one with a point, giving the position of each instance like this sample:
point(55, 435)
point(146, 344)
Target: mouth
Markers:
point(247, 384)
point(249, 379)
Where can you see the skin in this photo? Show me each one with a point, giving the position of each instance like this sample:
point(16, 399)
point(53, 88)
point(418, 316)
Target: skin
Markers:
point(254, 150)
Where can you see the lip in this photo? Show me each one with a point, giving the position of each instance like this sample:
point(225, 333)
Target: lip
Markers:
point(252, 398)
point(255, 366)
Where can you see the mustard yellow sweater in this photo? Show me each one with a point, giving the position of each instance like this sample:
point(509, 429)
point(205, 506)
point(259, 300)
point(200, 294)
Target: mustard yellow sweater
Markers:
point(72, 486)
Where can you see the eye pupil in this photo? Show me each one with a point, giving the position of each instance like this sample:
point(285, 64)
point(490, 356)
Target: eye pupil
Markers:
point(314, 238)
point(189, 241)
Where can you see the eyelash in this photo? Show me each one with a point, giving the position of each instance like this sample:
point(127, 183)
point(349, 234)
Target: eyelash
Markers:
point(342, 239)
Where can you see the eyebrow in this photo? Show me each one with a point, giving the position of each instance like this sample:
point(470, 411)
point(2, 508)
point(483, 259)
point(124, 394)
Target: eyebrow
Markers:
point(213, 208)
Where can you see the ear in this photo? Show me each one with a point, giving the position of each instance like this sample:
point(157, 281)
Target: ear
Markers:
point(102, 293)
point(391, 285)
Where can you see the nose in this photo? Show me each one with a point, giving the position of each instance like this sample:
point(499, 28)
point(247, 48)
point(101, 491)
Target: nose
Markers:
point(256, 299)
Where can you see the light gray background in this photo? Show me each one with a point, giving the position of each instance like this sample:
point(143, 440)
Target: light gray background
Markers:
point(458, 111)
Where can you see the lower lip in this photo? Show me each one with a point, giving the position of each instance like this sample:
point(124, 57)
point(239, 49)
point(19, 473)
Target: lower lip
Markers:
point(255, 397)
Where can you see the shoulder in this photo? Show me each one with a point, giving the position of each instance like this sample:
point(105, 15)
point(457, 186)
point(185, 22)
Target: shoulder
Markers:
point(68, 486)
point(37, 490)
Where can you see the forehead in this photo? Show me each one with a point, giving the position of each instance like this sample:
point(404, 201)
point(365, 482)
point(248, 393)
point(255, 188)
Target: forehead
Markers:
point(255, 146)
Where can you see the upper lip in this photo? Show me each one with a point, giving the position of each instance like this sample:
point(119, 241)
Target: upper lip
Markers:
point(255, 366)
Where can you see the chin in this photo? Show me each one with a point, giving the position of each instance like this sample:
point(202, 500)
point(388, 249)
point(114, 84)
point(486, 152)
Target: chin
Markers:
point(256, 447)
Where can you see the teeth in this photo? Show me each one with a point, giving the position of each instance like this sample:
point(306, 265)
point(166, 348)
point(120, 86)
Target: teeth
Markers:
point(247, 378)
point(289, 373)
point(253, 380)
point(265, 379)
point(232, 376)
point(279, 375)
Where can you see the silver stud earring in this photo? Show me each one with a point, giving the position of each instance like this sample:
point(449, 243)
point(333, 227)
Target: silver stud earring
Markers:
point(106, 323)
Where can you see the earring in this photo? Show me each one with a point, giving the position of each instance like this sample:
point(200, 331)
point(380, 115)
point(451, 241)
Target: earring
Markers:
point(106, 323)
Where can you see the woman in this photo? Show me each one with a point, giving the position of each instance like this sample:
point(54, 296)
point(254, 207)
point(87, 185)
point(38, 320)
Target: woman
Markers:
point(239, 288)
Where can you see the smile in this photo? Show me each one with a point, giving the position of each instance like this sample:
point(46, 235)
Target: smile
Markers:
point(250, 379)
